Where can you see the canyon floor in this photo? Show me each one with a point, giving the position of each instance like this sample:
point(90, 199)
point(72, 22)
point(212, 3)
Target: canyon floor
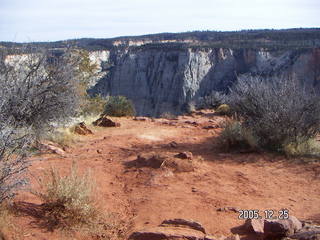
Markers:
point(143, 197)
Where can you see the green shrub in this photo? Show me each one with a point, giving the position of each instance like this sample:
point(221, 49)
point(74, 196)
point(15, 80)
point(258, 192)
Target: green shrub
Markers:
point(235, 136)
point(68, 200)
point(93, 105)
point(223, 109)
point(309, 148)
point(119, 106)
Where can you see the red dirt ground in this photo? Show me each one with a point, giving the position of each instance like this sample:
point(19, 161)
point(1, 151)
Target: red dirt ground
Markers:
point(147, 196)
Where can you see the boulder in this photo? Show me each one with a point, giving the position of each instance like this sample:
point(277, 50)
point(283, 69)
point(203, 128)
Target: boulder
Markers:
point(281, 227)
point(104, 121)
point(274, 229)
point(82, 129)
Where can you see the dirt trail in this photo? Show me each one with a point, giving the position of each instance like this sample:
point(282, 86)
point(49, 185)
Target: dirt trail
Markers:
point(147, 196)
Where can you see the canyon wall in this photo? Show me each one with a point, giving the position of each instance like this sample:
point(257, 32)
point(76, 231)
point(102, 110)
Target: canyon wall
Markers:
point(168, 79)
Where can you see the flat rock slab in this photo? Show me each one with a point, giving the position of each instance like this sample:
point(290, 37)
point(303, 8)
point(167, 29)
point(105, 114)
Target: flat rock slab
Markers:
point(185, 223)
point(167, 233)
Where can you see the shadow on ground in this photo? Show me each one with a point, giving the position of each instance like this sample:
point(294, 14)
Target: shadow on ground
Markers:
point(41, 218)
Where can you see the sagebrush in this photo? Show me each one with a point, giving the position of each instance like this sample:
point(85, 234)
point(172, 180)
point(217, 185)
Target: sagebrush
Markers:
point(68, 200)
point(235, 136)
point(212, 100)
point(278, 111)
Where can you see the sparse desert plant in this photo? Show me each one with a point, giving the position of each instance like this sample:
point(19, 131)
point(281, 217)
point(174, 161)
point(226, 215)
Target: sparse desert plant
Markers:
point(190, 107)
point(212, 100)
point(235, 136)
point(279, 112)
point(119, 106)
point(308, 148)
point(64, 136)
point(168, 115)
point(68, 200)
point(93, 105)
point(223, 109)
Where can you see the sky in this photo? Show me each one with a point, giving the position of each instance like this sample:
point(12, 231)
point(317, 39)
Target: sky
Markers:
point(51, 20)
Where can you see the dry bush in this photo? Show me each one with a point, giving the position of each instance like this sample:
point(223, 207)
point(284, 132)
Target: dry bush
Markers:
point(235, 136)
point(69, 204)
point(68, 200)
point(119, 106)
point(168, 115)
point(212, 100)
point(37, 87)
point(279, 112)
point(64, 136)
point(13, 164)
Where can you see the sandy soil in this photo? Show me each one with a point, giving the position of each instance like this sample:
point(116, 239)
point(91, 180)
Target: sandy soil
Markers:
point(146, 196)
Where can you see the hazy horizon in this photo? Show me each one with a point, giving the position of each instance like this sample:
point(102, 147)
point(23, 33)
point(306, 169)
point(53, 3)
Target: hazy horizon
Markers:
point(35, 21)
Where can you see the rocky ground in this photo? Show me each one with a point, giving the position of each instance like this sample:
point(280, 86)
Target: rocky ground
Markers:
point(148, 171)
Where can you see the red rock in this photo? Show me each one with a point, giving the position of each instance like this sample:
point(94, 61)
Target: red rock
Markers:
point(82, 129)
point(167, 233)
point(104, 121)
point(186, 223)
point(49, 147)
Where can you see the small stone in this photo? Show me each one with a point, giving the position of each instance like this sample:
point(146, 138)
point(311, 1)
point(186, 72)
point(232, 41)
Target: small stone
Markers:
point(184, 155)
point(173, 144)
